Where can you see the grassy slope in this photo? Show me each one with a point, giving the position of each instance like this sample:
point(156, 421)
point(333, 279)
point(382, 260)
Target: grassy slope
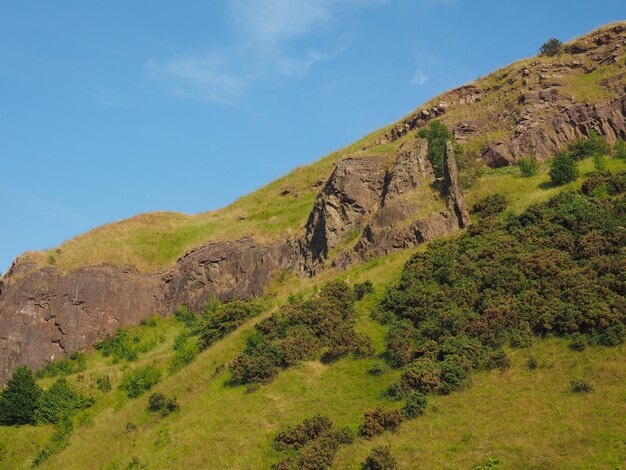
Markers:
point(153, 241)
point(526, 419)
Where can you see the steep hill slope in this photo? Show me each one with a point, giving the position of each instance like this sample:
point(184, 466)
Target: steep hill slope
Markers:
point(370, 199)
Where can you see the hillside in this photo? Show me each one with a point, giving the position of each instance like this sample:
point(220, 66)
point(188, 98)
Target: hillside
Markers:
point(451, 285)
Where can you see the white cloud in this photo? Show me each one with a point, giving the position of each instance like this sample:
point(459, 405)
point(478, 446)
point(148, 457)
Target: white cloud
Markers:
point(420, 78)
point(273, 44)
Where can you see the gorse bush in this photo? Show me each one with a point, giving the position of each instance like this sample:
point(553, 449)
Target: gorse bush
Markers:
point(437, 135)
point(159, 403)
point(490, 205)
point(380, 458)
point(619, 151)
point(138, 381)
point(554, 269)
point(380, 420)
point(298, 332)
point(362, 289)
point(19, 399)
point(225, 319)
point(415, 405)
point(298, 436)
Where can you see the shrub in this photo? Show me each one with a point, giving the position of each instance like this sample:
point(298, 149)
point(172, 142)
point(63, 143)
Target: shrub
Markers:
point(578, 343)
point(120, 346)
point(551, 47)
point(159, 403)
point(398, 343)
point(437, 135)
point(581, 386)
point(619, 151)
point(138, 381)
point(532, 363)
point(422, 376)
point(415, 405)
point(58, 441)
point(589, 147)
point(362, 289)
point(380, 458)
point(454, 375)
point(298, 436)
point(528, 166)
point(380, 420)
point(60, 401)
point(378, 369)
point(563, 169)
point(497, 360)
point(490, 205)
point(613, 335)
point(319, 454)
point(19, 398)
point(226, 319)
point(76, 362)
point(184, 355)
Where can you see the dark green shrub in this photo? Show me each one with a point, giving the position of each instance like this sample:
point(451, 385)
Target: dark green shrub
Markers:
point(497, 360)
point(399, 343)
point(19, 398)
point(619, 151)
point(421, 376)
point(380, 458)
point(581, 386)
point(119, 346)
point(76, 362)
point(415, 405)
point(362, 289)
point(454, 374)
point(578, 343)
point(528, 166)
point(184, 355)
point(599, 162)
point(437, 135)
point(613, 335)
point(138, 381)
point(532, 363)
point(226, 319)
point(319, 454)
point(298, 436)
point(378, 369)
point(490, 205)
point(59, 401)
point(380, 420)
point(159, 403)
point(593, 145)
point(551, 47)
point(563, 169)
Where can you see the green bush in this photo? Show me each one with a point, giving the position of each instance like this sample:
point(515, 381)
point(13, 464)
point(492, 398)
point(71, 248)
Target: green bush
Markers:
point(490, 205)
point(378, 369)
point(421, 376)
point(103, 383)
point(613, 335)
point(497, 360)
point(528, 166)
point(120, 346)
point(60, 401)
point(380, 458)
point(159, 403)
point(19, 398)
point(599, 162)
point(361, 289)
point(563, 169)
point(589, 147)
point(184, 355)
point(437, 135)
point(532, 363)
point(399, 343)
point(578, 343)
point(551, 47)
point(415, 405)
point(380, 420)
point(298, 436)
point(319, 454)
point(76, 362)
point(619, 150)
point(138, 381)
point(225, 319)
point(581, 386)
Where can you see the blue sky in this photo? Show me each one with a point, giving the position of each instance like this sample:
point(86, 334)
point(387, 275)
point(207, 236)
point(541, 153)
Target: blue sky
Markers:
point(109, 109)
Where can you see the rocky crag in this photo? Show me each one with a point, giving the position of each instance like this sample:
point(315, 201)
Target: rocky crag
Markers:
point(45, 314)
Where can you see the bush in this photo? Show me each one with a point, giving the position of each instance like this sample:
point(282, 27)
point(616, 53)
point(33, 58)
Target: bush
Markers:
point(60, 401)
point(437, 135)
point(318, 455)
point(120, 346)
point(298, 436)
point(490, 205)
point(589, 147)
point(138, 381)
point(380, 420)
point(422, 376)
point(613, 335)
point(184, 355)
point(497, 360)
point(159, 403)
point(551, 47)
point(599, 162)
point(563, 169)
point(454, 375)
point(578, 343)
point(398, 343)
point(532, 363)
point(415, 405)
point(19, 398)
point(528, 166)
point(226, 319)
point(362, 289)
point(581, 386)
point(380, 458)
point(619, 151)
point(378, 369)
point(76, 362)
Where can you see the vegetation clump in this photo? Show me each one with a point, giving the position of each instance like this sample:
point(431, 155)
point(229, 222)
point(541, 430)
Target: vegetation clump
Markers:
point(563, 169)
point(159, 403)
point(380, 458)
point(490, 205)
point(76, 362)
point(380, 420)
point(19, 398)
point(551, 47)
point(581, 386)
point(528, 166)
point(362, 289)
point(138, 381)
point(60, 401)
point(437, 135)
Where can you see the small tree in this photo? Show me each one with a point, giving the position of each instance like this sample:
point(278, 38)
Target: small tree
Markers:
point(528, 167)
point(589, 147)
point(564, 169)
point(437, 135)
point(551, 47)
point(19, 398)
